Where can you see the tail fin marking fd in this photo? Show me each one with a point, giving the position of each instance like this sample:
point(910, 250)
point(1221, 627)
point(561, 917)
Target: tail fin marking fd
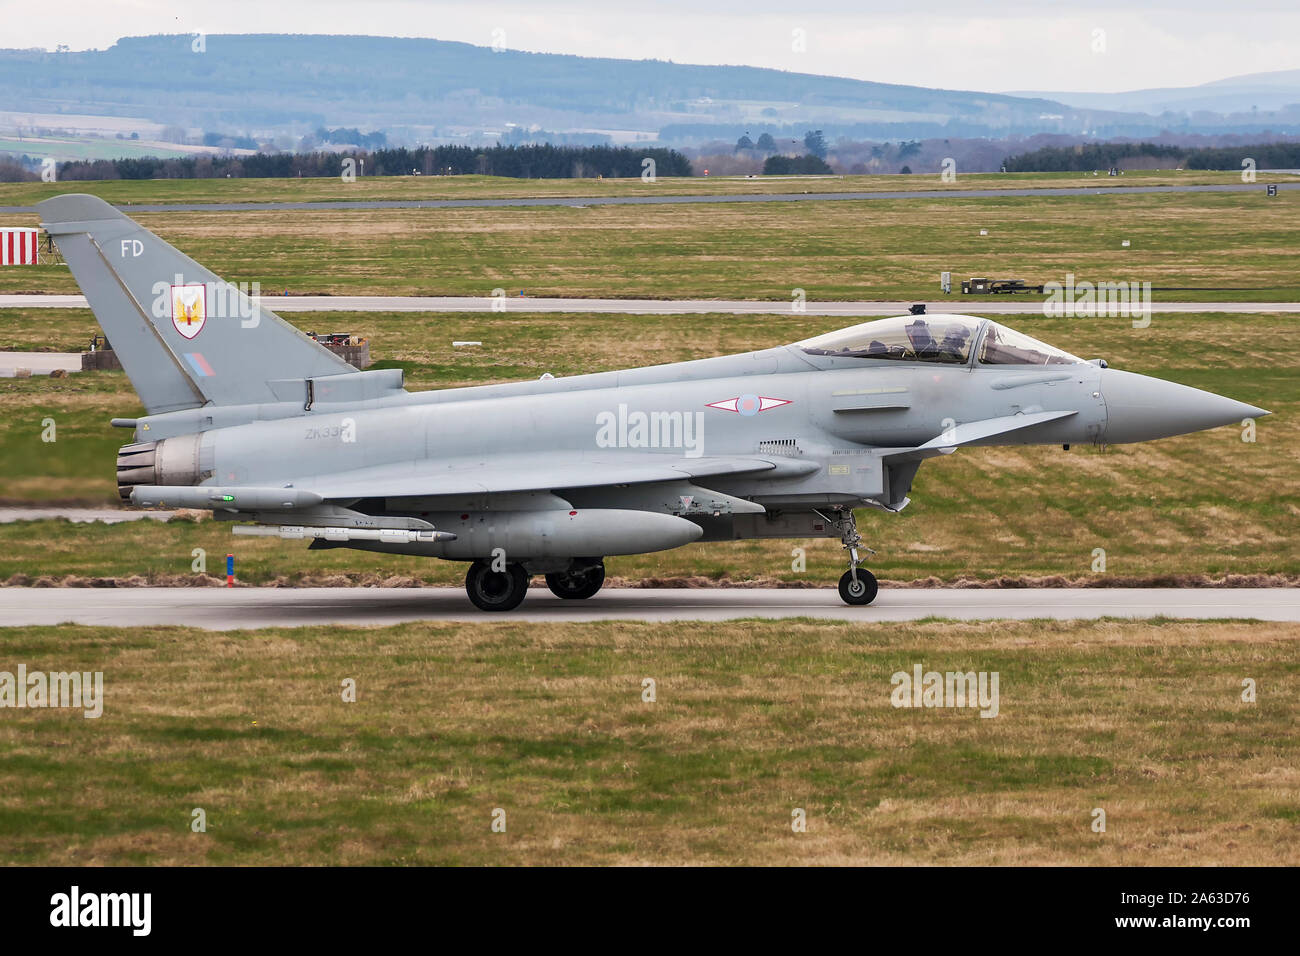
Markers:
point(185, 336)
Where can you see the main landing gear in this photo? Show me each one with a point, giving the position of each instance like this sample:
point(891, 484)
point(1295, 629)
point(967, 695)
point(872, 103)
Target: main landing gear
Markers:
point(505, 590)
point(858, 585)
point(496, 590)
point(579, 583)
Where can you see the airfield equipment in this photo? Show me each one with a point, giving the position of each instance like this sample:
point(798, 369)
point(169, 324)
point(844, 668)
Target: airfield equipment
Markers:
point(353, 349)
point(100, 356)
point(984, 286)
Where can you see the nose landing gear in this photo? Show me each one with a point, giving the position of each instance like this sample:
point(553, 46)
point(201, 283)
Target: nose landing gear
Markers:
point(860, 589)
point(858, 585)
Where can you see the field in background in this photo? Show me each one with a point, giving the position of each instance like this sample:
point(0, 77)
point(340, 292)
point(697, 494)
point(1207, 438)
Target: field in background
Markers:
point(752, 720)
point(323, 189)
point(74, 147)
point(1226, 245)
point(1207, 503)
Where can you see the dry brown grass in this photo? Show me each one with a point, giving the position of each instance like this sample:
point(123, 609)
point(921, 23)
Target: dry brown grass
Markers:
point(752, 720)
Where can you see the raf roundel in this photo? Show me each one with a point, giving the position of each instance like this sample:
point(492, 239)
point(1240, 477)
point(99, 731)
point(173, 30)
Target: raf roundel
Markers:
point(749, 404)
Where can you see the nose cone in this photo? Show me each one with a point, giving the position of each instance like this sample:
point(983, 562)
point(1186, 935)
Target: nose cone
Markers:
point(1140, 408)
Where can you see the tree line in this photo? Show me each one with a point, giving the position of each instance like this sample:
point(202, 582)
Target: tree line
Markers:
point(520, 162)
point(795, 165)
point(1081, 158)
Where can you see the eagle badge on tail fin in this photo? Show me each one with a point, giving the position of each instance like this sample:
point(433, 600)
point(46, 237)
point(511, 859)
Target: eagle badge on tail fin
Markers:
point(189, 308)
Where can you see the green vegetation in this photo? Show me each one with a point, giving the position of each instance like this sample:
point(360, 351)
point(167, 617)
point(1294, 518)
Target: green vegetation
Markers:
point(333, 189)
point(752, 719)
point(88, 148)
point(522, 162)
point(1105, 155)
point(1207, 503)
point(795, 165)
point(843, 250)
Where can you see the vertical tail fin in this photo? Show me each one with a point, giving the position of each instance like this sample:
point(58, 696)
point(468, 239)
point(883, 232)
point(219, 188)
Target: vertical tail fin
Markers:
point(185, 336)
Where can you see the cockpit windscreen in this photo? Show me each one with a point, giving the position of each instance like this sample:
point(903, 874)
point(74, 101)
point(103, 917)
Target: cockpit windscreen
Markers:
point(945, 339)
point(937, 338)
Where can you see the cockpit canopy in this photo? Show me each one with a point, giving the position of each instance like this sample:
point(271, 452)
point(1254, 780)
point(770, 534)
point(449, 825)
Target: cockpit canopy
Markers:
point(937, 338)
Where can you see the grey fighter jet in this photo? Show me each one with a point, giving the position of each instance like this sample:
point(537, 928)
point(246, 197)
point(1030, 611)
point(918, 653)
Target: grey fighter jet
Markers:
point(248, 417)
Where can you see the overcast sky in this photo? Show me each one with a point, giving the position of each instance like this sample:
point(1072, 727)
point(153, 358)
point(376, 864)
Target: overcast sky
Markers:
point(995, 45)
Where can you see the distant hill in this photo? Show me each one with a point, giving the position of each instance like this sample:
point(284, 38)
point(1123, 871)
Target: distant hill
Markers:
point(420, 90)
point(1233, 95)
point(1287, 78)
point(264, 84)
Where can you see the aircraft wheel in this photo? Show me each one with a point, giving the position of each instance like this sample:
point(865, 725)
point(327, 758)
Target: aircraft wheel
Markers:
point(577, 585)
point(862, 591)
point(496, 590)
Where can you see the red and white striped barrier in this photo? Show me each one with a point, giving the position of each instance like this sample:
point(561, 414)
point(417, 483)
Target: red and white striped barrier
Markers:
point(18, 247)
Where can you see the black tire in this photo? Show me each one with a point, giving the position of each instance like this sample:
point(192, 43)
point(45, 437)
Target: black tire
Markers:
point(866, 589)
point(496, 590)
point(577, 585)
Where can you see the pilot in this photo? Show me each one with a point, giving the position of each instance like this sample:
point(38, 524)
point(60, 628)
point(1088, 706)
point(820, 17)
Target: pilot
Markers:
point(954, 342)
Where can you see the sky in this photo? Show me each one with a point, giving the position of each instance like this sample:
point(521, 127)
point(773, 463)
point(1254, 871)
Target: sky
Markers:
point(991, 45)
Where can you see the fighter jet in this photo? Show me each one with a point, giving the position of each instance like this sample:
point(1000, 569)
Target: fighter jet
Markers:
point(250, 418)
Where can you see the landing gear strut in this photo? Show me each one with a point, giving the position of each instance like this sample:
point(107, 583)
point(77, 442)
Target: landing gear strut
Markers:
point(496, 590)
point(858, 585)
point(579, 583)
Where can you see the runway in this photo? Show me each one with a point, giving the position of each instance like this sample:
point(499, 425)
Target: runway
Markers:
point(977, 305)
point(228, 609)
point(38, 363)
point(81, 515)
point(671, 200)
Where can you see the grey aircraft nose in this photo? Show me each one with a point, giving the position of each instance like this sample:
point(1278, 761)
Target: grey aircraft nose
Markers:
point(1140, 408)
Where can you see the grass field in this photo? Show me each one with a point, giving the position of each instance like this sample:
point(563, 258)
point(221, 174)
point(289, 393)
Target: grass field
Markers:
point(1207, 503)
point(330, 189)
point(751, 721)
point(83, 148)
point(1223, 246)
